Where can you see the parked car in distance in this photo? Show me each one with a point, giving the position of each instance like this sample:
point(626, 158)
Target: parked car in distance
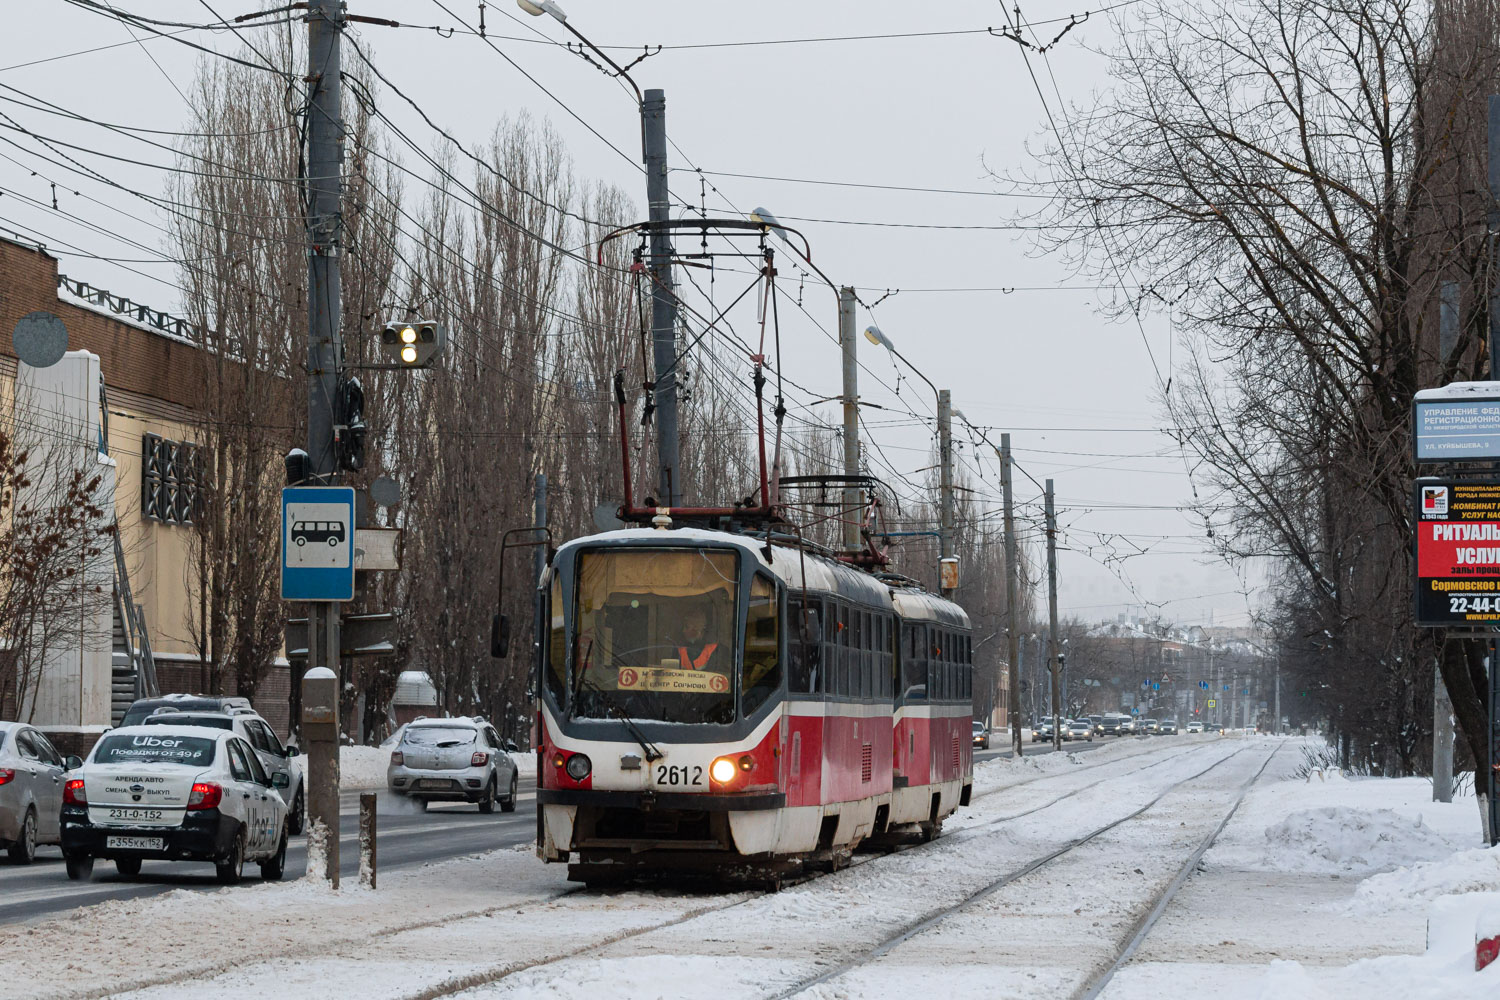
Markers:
point(454, 760)
point(173, 793)
point(1167, 727)
point(1150, 727)
point(981, 736)
point(274, 757)
point(143, 708)
point(31, 789)
point(1195, 727)
point(1081, 729)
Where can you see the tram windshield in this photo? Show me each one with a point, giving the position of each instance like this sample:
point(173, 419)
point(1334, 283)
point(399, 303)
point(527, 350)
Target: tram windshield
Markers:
point(655, 634)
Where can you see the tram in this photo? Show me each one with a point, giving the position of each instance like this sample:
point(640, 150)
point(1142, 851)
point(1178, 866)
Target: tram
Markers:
point(716, 693)
point(713, 700)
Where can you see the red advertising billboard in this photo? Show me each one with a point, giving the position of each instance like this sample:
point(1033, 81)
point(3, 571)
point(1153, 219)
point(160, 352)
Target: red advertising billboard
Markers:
point(1457, 552)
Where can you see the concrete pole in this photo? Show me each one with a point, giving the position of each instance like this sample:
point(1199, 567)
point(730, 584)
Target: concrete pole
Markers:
point(325, 358)
point(1442, 739)
point(320, 732)
point(849, 516)
point(663, 300)
point(1052, 647)
point(945, 461)
point(1013, 639)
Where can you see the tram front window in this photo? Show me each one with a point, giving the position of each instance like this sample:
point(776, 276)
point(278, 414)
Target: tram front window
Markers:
point(655, 635)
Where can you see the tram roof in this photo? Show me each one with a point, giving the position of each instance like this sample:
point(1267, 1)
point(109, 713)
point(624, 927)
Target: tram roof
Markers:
point(797, 568)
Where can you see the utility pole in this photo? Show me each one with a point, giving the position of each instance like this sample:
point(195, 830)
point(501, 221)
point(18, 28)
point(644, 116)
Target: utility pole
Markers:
point(1492, 780)
point(1277, 728)
point(663, 299)
point(849, 514)
point(1013, 639)
point(325, 135)
point(945, 460)
point(539, 518)
point(1052, 662)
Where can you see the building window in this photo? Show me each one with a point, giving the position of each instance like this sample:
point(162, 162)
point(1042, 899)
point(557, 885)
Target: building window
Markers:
point(170, 476)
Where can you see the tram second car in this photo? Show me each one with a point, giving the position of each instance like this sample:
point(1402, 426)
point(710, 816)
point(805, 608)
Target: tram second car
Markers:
point(709, 700)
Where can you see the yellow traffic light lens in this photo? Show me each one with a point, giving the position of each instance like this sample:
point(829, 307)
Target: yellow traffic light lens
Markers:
point(408, 354)
point(408, 335)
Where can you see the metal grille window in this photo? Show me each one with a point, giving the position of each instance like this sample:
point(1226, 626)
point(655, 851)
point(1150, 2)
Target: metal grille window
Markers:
point(171, 472)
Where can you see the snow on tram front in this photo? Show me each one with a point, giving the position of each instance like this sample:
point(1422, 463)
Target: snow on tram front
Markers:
point(709, 701)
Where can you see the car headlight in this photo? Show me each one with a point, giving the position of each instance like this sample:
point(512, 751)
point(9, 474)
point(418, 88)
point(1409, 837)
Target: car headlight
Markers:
point(579, 766)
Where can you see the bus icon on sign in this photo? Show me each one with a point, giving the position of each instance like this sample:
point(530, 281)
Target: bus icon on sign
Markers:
point(1434, 499)
point(329, 533)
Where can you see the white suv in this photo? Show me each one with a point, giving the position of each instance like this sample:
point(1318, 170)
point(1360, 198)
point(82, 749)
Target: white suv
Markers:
point(274, 757)
point(454, 760)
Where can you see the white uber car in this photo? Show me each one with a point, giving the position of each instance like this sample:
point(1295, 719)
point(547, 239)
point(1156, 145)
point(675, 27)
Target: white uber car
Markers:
point(274, 757)
point(173, 793)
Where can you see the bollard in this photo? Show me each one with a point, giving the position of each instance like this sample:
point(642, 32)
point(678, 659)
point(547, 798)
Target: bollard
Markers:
point(320, 733)
point(367, 839)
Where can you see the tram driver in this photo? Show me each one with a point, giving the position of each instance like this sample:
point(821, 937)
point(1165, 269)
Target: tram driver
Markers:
point(695, 651)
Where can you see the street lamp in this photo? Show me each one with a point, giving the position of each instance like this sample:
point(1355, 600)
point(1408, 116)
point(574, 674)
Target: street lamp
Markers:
point(537, 9)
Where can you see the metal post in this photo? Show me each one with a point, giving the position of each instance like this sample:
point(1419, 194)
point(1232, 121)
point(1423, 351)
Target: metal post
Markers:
point(539, 561)
point(1492, 780)
point(945, 461)
point(367, 830)
point(663, 300)
point(1277, 728)
point(325, 136)
point(851, 502)
point(1013, 639)
point(1052, 621)
point(1442, 739)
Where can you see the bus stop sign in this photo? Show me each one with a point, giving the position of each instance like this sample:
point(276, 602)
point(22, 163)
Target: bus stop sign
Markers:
point(317, 543)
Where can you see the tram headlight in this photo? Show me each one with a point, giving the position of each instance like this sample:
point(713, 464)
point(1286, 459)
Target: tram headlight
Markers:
point(722, 770)
point(579, 766)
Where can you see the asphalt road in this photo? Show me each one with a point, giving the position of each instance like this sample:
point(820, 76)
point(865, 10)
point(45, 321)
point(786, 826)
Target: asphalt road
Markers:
point(407, 837)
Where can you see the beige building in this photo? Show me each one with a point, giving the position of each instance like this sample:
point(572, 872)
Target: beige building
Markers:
point(117, 399)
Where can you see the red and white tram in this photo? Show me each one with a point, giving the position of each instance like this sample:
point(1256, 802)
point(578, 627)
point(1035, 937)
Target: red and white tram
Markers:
point(711, 700)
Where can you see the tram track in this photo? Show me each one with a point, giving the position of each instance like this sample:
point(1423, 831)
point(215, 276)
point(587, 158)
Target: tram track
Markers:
point(935, 917)
point(498, 974)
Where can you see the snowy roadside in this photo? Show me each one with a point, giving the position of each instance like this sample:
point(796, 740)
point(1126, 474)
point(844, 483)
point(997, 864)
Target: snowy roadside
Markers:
point(1325, 889)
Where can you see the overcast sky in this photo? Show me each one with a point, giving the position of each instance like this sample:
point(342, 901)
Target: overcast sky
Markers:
point(1078, 393)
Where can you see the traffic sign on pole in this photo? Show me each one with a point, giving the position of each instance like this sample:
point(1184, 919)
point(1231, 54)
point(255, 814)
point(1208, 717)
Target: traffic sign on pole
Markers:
point(1212, 703)
point(317, 543)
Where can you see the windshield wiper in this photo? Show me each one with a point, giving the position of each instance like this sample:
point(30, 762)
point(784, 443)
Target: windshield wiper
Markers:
point(653, 753)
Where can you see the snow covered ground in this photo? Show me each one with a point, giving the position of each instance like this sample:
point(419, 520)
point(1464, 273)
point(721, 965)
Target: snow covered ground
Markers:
point(1316, 889)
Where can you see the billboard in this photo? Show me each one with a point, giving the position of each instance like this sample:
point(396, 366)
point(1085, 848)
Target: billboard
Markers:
point(1457, 545)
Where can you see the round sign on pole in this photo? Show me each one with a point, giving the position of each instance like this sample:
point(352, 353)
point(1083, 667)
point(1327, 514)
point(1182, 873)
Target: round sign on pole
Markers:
point(40, 339)
point(385, 491)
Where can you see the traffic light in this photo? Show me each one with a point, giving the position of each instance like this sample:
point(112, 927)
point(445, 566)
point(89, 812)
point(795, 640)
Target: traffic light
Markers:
point(413, 345)
point(351, 429)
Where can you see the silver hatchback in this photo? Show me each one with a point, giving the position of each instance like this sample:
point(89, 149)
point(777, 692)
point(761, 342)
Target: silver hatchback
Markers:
point(31, 790)
point(454, 760)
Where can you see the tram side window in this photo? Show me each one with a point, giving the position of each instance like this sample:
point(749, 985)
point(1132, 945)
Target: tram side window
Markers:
point(866, 644)
point(557, 645)
point(803, 645)
point(914, 661)
point(762, 645)
point(968, 667)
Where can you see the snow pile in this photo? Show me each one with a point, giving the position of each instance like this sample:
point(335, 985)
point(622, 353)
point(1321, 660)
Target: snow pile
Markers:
point(1466, 872)
point(1338, 839)
point(362, 767)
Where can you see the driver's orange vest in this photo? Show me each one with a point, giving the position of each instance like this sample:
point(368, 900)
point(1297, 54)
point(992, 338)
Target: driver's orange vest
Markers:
point(702, 661)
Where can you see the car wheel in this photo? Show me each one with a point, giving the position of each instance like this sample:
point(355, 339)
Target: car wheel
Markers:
point(129, 867)
point(23, 851)
point(80, 869)
point(297, 818)
point(508, 804)
point(487, 800)
point(272, 868)
point(231, 868)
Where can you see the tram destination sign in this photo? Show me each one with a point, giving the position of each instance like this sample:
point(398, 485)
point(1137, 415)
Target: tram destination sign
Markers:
point(1457, 552)
point(1457, 423)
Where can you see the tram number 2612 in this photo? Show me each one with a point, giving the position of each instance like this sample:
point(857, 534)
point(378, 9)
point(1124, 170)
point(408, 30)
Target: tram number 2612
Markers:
point(679, 774)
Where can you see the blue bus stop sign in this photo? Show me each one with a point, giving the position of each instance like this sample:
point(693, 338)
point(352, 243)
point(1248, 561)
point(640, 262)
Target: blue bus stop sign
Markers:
point(317, 543)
